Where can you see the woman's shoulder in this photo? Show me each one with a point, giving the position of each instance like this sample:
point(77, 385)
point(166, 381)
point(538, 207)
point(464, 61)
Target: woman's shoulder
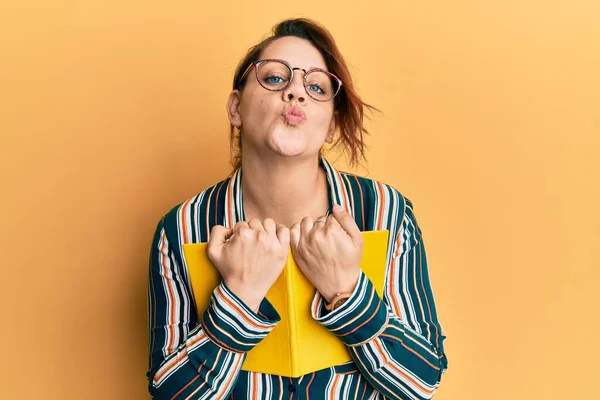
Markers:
point(383, 203)
point(209, 195)
point(206, 206)
point(378, 191)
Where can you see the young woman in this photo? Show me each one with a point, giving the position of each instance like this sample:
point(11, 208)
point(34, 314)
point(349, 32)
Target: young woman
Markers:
point(292, 93)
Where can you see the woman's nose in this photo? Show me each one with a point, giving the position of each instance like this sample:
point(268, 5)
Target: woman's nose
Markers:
point(296, 89)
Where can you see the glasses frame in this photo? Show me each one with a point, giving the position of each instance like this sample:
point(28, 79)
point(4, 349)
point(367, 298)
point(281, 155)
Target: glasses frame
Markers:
point(257, 64)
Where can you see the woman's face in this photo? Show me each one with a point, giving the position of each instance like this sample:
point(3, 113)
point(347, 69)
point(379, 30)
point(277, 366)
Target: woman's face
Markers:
point(288, 122)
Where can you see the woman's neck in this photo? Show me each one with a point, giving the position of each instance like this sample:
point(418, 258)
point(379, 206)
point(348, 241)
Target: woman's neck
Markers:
point(284, 190)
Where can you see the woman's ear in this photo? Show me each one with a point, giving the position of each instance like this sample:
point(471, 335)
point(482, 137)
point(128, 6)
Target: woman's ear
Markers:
point(233, 108)
point(332, 128)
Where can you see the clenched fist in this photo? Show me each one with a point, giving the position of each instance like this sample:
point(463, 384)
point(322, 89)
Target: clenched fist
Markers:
point(249, 257)
point(329, 253)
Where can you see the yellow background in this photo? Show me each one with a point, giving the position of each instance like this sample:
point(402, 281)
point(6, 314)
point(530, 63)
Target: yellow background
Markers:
point(111, 112)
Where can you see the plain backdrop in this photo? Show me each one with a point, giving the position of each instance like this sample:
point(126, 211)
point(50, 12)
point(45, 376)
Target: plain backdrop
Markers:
point(112, 112)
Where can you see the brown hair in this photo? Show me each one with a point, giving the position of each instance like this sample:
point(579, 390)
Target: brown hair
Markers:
point(350, 108)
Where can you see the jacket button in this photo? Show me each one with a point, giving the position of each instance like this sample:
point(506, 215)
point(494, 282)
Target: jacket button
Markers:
point(291, 388)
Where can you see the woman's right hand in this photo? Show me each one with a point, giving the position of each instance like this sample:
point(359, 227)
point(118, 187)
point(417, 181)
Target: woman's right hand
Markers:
point(249, 257)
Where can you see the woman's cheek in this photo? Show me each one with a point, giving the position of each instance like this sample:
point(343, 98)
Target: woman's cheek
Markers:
point(322, 122)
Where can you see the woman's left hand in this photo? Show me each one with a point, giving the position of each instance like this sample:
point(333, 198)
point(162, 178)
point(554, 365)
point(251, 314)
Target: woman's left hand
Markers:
point(329, 253)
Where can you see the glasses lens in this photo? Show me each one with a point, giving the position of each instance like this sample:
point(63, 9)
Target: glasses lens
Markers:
point(273, 75)
point(321, 86)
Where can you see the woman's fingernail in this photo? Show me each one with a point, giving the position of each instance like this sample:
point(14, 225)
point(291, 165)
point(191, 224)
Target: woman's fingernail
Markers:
point(337, 207)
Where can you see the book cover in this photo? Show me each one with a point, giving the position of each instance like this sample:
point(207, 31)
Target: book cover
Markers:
point(298, 345)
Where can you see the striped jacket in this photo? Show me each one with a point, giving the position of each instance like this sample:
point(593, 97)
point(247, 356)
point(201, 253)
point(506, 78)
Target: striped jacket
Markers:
point(395, 342)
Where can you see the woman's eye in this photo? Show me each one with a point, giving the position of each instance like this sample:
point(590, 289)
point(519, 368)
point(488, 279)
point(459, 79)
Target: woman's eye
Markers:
point(316, 89)
point(274, 80)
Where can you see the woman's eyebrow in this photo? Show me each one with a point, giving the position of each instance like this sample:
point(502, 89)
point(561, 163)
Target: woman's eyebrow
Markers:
point(294, 66)
point(313, 67)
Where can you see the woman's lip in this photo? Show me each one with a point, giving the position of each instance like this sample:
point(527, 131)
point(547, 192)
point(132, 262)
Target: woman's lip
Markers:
point(292, 119)
point(293, 116)
point(294, 110)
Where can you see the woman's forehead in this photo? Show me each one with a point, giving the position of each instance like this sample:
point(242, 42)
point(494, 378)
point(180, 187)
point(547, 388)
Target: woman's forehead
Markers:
point(299, 53)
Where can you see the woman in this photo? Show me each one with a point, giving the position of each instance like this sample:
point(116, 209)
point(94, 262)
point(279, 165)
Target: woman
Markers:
point(291, 94)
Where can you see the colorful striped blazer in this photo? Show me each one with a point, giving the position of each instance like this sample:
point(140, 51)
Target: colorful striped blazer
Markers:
point(396, 342)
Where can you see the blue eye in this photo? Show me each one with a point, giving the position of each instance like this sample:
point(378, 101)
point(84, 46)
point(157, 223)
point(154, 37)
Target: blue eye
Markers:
point(274, 80)
point(316, 88)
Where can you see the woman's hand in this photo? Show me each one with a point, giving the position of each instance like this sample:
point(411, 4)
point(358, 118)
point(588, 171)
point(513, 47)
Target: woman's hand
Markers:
point(329, 254)
point(249, 257)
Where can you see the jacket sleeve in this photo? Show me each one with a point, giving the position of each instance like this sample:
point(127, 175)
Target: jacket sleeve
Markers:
point(397, 342)
point(201, 361)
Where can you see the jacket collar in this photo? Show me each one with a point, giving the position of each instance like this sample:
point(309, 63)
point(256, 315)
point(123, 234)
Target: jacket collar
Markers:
point(338, 193)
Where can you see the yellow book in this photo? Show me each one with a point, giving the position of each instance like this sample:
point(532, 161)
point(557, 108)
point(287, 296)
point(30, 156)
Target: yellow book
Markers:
point(298, 345)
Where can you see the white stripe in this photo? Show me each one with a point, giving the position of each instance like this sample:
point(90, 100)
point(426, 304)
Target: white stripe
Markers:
point(238, 201)
point(173, 368)
point(183, 300)
point(207, 212)
point(168, 282)
point(196, 221)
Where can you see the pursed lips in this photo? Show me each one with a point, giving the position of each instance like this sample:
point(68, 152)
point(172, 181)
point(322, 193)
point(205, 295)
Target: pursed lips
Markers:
point(293, 116)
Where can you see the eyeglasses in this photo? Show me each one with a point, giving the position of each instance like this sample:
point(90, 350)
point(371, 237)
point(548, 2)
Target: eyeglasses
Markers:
point(275, 75)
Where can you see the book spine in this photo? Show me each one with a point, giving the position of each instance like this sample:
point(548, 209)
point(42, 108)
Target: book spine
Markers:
point(292, 317)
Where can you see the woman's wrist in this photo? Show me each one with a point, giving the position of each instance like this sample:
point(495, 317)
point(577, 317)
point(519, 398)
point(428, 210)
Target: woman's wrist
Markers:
point(250, 299)
point(329, 295)
point(338, 300)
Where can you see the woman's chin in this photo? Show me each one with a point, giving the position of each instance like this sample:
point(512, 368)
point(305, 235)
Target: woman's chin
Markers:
point(289, 142)
point(288, 146)
point(288, 151)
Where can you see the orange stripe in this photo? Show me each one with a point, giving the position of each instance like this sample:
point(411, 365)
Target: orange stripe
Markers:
point(359, 315)
point(332, 388)
point(174, 361)
point(153, 291)
point(348, 372)
point(316, 307)
point(392, 284)
point(190, 382)
point(398, 242)
point(188, 385)
point(362, 205)
point(364, 323)
point(197, 339)
point(349, 191)
point(410, 379)
point(213, 338)
point(226, 334)
point(229, 196)
point(400, 372)
point(207, 209)
point(417, 340)
point(343, 190)
point(240, 311)
point(308, 386)
point(217, 205)
point(280, 388)
point(184, 230)
point(411, 350)
point(233, 376)
point(380, 210)
point(364, 392)
point(253, 387)
point(427, 301)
